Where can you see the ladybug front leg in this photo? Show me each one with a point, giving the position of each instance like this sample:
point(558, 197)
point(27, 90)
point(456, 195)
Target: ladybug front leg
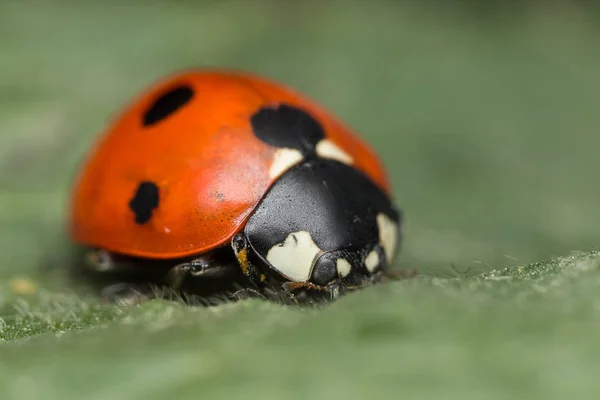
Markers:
point(125, 279)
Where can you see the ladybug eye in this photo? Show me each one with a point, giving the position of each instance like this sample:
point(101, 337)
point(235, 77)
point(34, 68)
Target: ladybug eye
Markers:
point(330, 266)
point(325, 270)
point(167, 103)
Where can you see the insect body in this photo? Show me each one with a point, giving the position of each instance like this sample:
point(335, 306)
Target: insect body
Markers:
point(217, 172)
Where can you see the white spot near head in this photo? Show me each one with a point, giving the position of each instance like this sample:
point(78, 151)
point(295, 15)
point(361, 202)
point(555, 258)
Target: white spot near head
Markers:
point(294, 257)
point(283, 159)
point(372, 261)
point(343, 267)
point(388, 235)
point(328, 149)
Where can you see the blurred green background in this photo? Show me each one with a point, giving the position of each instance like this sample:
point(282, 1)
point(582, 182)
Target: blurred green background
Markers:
point(485, 116)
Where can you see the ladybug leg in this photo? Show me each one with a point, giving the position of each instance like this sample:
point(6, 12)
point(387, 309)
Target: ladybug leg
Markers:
point(122, 279)
point(303, 290)
point(294, 286)
point(206, 266)
point(248, 293)
point(103, 261)
point(127, 293)
point(240, 248)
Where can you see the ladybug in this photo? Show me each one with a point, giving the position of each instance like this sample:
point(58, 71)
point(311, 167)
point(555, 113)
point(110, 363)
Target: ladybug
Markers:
point(219, 172)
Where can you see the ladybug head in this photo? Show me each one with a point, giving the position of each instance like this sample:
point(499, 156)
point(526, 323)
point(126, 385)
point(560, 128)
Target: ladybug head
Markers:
point(321, 223)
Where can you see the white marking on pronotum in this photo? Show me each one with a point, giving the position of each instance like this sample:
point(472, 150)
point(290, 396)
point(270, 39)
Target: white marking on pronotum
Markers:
point(372, 261)
point(388, 235)
point(283, 159)
point(343, 267)
point(294, 257)
point(328, 149)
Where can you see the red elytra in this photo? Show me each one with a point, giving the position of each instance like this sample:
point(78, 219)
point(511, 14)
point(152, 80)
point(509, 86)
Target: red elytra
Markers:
point(209, 167)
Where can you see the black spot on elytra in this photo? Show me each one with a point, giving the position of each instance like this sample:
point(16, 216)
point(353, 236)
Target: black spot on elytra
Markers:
point(287, 126)
point(144, 201)
point(167, 103)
